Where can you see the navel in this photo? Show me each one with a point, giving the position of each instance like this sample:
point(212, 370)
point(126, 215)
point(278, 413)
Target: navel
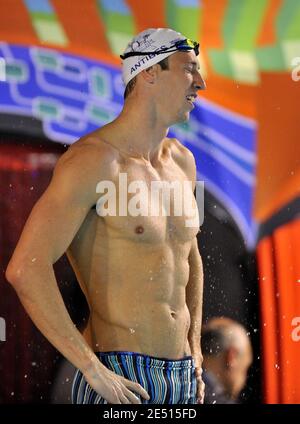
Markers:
point(139, 229)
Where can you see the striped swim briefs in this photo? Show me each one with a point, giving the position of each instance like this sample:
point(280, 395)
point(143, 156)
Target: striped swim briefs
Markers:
point(166, 381)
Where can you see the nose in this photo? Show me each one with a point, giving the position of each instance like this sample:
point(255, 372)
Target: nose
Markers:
point(199, 82)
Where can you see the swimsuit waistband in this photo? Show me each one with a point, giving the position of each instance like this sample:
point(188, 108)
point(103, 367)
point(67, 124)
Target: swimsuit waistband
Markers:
point(147, 360)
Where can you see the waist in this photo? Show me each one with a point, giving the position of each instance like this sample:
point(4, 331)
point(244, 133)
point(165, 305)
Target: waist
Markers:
point(158, 335)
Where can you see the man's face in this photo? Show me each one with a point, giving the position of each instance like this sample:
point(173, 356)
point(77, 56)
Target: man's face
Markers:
point(178, 86)
point(238, 374)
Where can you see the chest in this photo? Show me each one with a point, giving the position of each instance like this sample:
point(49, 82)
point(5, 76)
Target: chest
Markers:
point(149, 205)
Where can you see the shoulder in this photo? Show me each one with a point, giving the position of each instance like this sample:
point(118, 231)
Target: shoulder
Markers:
point(183, 157)
point(88, 157)
point(78, 171)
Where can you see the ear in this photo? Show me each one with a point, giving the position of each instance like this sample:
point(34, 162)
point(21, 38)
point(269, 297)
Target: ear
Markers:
point(150, 74)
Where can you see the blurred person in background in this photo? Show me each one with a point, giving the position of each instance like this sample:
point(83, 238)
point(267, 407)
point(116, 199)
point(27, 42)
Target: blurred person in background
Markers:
point(227, 356)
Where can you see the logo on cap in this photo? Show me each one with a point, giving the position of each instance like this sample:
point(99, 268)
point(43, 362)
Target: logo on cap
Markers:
point(141, 45)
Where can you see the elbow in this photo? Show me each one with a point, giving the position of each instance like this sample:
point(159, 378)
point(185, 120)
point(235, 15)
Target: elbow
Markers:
point(14, 273)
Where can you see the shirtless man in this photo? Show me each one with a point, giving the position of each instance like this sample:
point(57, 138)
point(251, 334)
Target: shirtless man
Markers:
point(141, 275)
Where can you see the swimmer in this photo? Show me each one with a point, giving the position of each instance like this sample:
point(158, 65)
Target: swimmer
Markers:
point(140, 273)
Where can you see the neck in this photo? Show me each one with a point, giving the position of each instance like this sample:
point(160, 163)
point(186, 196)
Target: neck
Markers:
point(139, 129)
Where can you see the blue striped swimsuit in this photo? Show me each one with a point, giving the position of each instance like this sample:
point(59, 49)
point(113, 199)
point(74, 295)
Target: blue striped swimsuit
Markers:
point(166, 381)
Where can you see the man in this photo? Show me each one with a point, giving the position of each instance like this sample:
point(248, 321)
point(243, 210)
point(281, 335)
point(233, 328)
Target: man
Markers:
point(141, 275)
point(227, 356)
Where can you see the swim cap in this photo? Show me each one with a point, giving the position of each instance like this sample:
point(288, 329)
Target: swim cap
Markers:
point(150, 40)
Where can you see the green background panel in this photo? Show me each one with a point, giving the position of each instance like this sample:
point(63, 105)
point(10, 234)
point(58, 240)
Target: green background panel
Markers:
point(270, 58)
point(249, 24)
point(285, 16)
point(185, 20)
point(221, 62)
point(231, 19)
point(119, 23)
point(50, 32)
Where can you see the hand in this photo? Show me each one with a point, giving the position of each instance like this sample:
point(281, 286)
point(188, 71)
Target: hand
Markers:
point(112, 387)
point(198, 359)
point(200, 385)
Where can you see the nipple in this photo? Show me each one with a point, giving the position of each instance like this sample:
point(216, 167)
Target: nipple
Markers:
point(139, 229)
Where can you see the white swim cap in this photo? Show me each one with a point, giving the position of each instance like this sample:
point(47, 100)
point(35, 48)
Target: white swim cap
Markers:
point(150, 40)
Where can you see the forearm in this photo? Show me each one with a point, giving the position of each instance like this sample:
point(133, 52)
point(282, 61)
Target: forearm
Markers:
point(194, 334)
point(37, 289)
point(194, 299)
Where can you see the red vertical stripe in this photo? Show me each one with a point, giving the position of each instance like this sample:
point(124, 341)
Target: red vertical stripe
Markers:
point(279, 269)
point(268, 321)
point(286, 310)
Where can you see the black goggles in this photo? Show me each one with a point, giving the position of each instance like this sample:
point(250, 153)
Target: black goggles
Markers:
point(181, 45)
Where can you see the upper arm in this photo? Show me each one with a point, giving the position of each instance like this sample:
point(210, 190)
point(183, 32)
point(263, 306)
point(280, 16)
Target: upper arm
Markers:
point(194, 255)
point(194, 286)
point(59, 213)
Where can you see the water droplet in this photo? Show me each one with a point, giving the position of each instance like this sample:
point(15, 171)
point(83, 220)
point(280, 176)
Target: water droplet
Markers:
point(31, 188)
point(33, 259)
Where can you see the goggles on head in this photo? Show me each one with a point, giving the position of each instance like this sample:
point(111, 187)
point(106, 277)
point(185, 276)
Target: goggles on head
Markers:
point(181, 45)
